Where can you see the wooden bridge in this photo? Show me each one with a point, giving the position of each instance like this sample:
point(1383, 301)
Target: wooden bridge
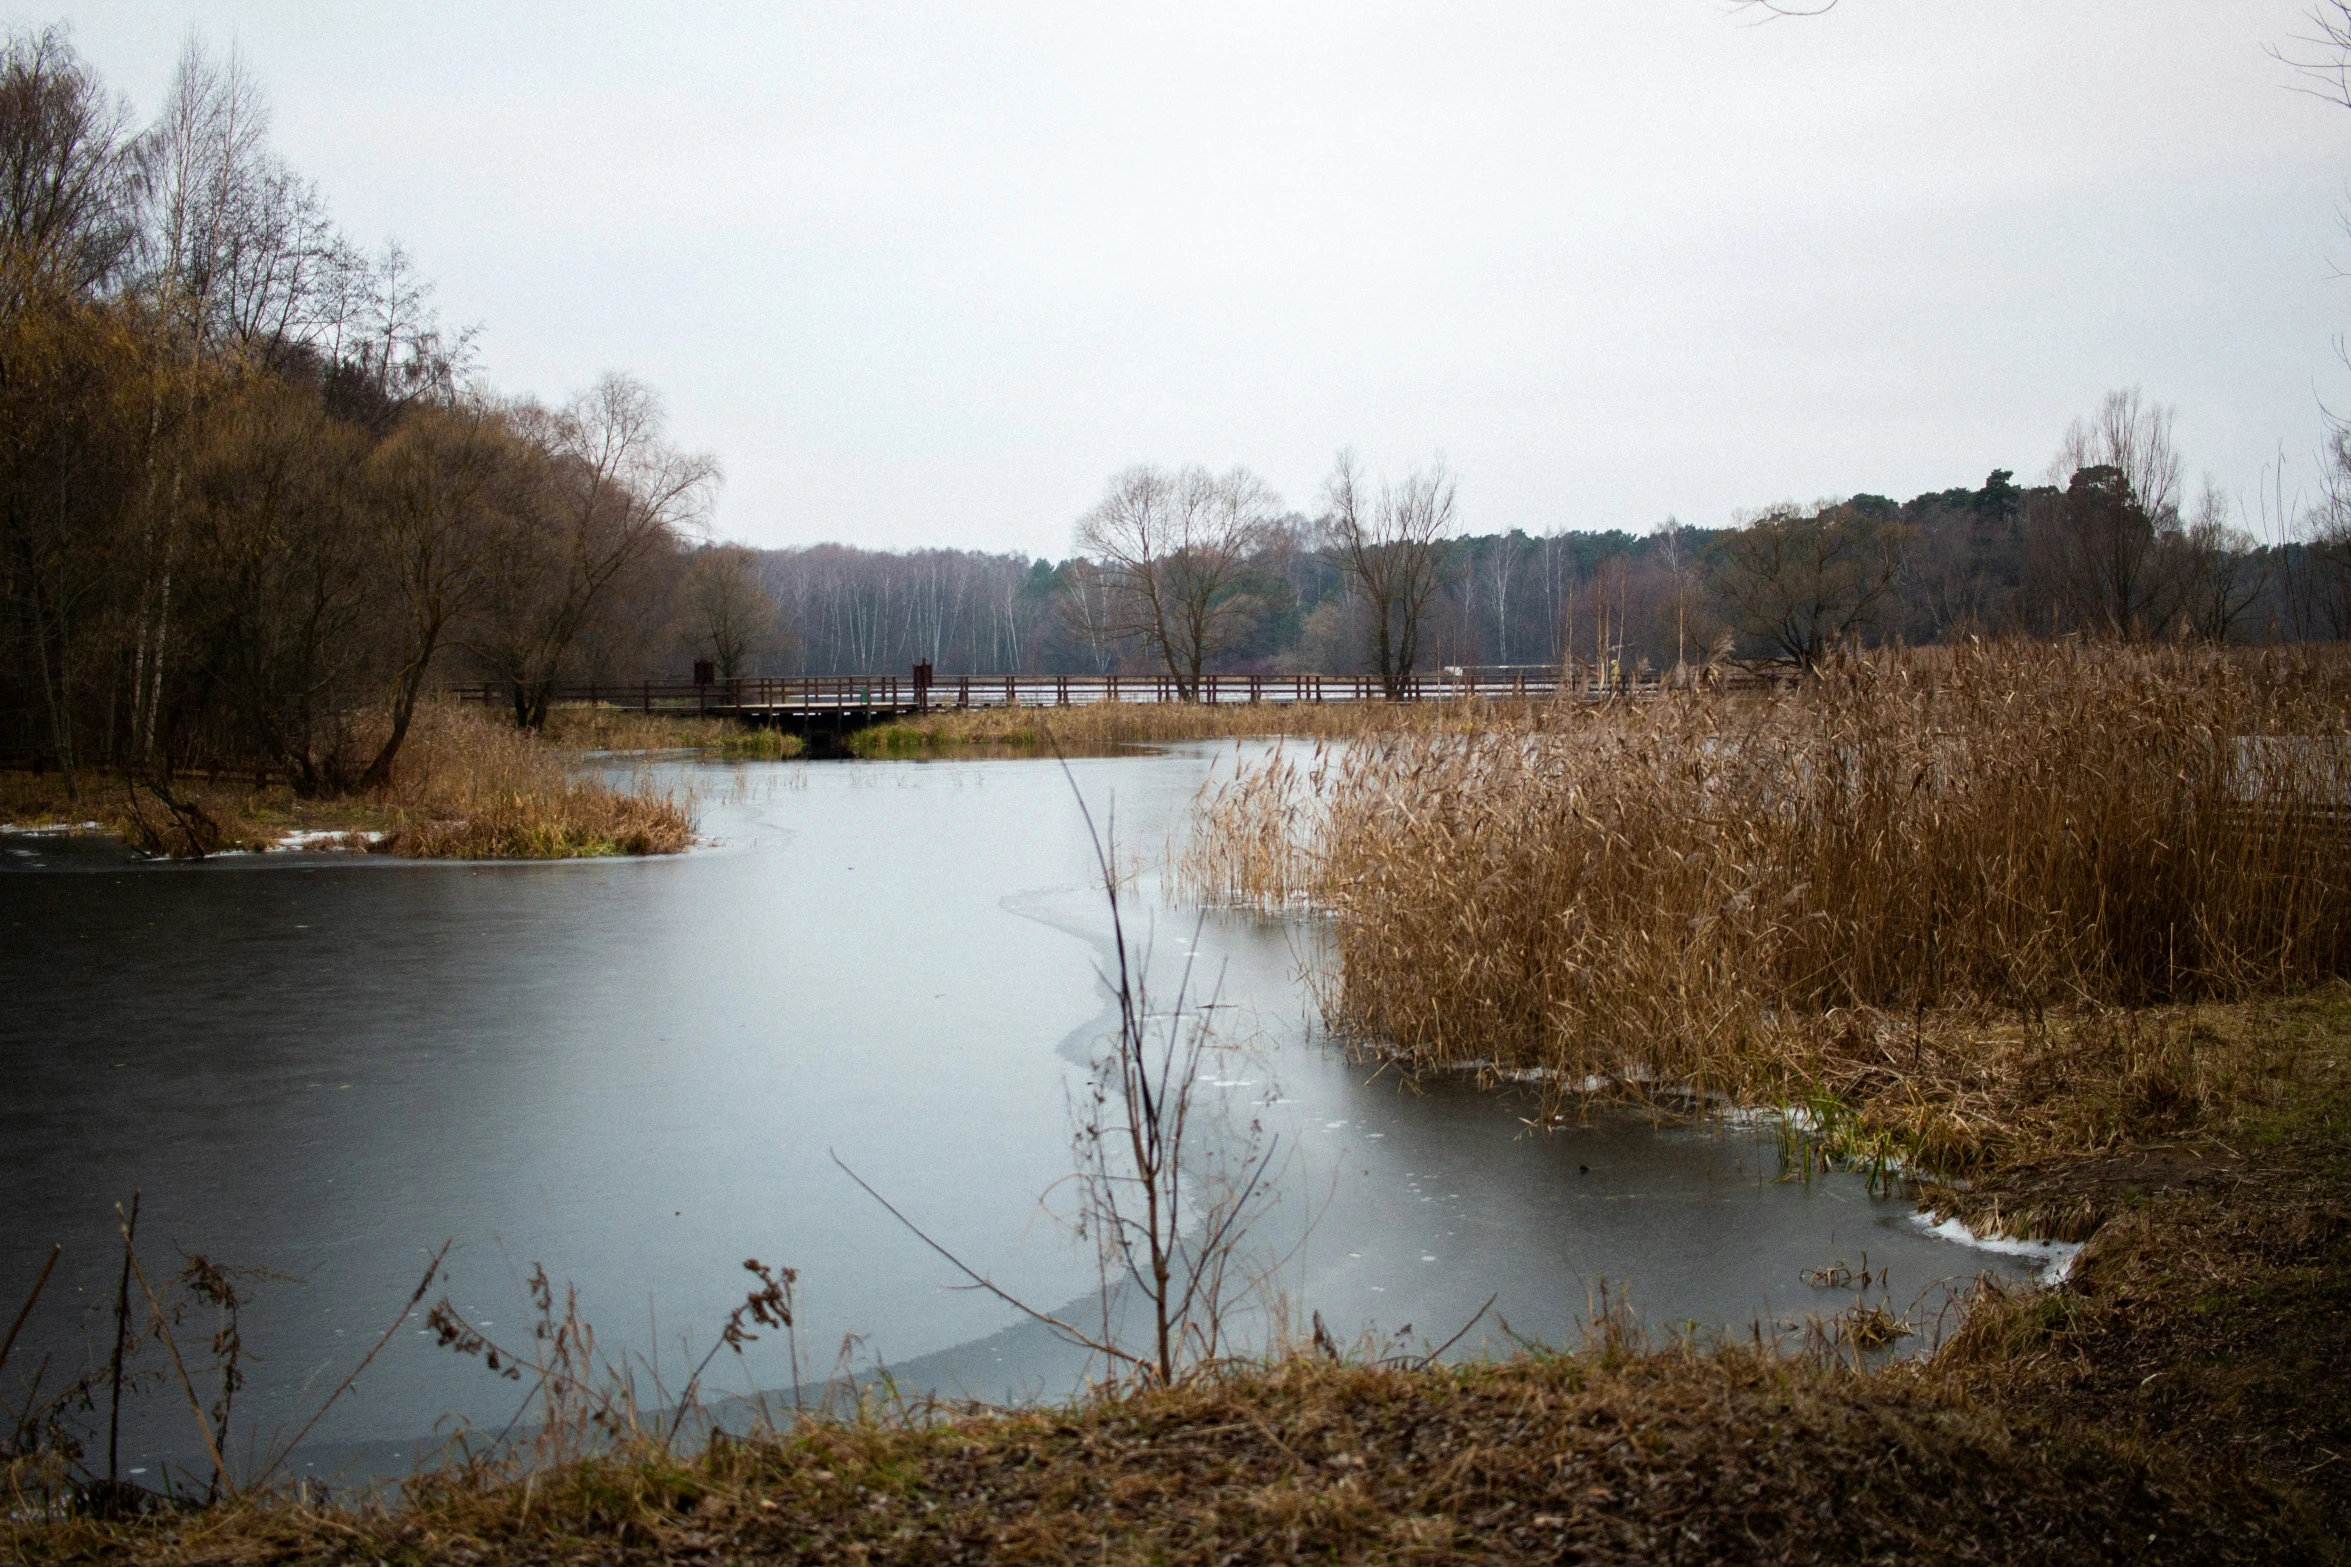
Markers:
point(834, 702)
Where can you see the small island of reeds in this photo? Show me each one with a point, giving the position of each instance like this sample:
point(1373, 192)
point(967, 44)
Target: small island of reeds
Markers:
point(470, 786)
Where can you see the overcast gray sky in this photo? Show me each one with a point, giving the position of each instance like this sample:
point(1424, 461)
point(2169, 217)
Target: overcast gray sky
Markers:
point(929, 273)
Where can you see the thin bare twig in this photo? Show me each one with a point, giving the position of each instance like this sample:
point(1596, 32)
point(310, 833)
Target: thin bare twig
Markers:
point(431, 1272)
point(171, 1347)
point(1432, 1356)
point(26, 1310)
point(129, 1224)
point(980, 1281)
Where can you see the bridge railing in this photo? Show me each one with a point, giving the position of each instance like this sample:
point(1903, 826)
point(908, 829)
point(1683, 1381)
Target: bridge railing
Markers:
point(803, 694)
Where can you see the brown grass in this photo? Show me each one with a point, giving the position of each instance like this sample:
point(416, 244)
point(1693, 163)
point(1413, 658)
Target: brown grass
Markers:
point(1917, 877)
point(237, 813)
point(1676, 1456)
point(471, 786)
point(2211, 1307)
point(468, 786)
point(603, 727)
point(1097, 727)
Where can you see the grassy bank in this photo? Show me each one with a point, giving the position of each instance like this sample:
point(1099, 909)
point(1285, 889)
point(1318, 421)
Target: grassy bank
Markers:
point(2210, 1312)
point(578, 726)
point(2179, 1398)
point(1659, 1458)
point(469, 786)
point(1103, 727)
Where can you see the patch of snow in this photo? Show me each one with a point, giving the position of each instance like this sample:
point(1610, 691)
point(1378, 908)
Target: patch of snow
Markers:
point(326, 837)
point(2052, 1260)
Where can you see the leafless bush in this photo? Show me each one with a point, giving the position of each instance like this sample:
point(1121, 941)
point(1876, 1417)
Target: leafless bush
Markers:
point(1167, 1203)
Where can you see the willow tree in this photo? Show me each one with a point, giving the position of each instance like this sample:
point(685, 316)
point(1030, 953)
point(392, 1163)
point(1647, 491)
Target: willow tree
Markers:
point(612, 492)
point(1393, 548)
point(1174, 548)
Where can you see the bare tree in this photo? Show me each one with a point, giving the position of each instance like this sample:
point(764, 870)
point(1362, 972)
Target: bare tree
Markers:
point(1393, 550)
point(1503, 559)
point(2323, 55)
point(433, 489)
point(1169, 1204)
point(1167, 1214)
point(1799, 580)
point(2104, 553)
point(69, 173)
point(68, 187)
point(202, 153)
point(1174, 549)
point(1671, 531)
point(2326, 530)
point(2132, 436)
point(614, 490)
point(1085, 613)
point(283, 607)
point(2219, 568)
point(730, 611)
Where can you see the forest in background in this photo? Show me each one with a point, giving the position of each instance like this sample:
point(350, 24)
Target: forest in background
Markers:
point(2088, 556)
point(257, 504)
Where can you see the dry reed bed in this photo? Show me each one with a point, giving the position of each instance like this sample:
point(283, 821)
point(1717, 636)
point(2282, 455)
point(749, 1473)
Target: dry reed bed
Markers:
point(604, 727)
point(470, 786)
point(1902, 886)
point(1096, 726)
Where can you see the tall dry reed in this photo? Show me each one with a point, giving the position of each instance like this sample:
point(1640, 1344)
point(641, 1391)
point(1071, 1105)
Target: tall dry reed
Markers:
point(470, 786)
point(603, 726)
point(1096, 726)
point(1674, 890)
point(1254, 843)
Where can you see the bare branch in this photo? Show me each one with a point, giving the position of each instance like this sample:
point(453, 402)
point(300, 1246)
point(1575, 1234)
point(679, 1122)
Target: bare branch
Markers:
point(286, 1448)
point(1076, 1335)
point(2322, 58)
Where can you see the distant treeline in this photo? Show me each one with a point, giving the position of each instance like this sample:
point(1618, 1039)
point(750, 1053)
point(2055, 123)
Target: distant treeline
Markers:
point(255, 505)
point(2113, 550)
